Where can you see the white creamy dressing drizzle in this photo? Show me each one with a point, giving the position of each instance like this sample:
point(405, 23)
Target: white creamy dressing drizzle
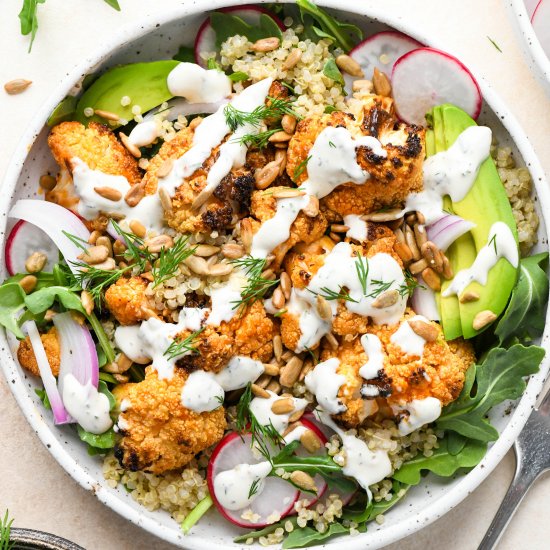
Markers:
point(365, 466)
point(375, 362)
point(406, 339)
point(125, 404)
point(325, 383)
point(295, 435)
point(339, 270)
point(261, 409)
point(357, 227)
point(451, 172)
point(232, 487)
point(86, 405)
point(500, 244)
point(225, 297)
point(421, 412)
point(198, 85)
point(145, 133)
point(205, 391)
point(331, 163)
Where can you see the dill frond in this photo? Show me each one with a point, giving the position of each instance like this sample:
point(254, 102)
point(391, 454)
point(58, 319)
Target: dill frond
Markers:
point(170, 258)
point(181, 347)
point(257, 286)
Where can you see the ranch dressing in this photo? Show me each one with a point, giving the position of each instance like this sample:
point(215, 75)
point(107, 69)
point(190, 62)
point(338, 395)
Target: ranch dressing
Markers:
point(331, 163)
point(420, 412)
point(373, 350)
point(239, 372)
point(224, 298)
point(145, 133)
point(357, 227)
point(86, 405)
point(325, 384)
point(198, 85)
point(407, 340)
point(261, 409)
point(365, 466)
point(129, 341)
point(451, 172)
point(500, 244)
point(295, 435)
point(233, 487)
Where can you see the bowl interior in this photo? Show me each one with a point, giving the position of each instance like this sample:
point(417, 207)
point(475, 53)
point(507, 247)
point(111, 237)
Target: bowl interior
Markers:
point(426, 502)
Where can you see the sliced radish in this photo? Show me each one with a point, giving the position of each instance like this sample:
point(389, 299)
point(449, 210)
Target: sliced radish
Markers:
point(531, 7)
point(541, 24)
point(426, 77)
point(206, 37)
point(381, 50)
point(277, 498)
point(24, 239)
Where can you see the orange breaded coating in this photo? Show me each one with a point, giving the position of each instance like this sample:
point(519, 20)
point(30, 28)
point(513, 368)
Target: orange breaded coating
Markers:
point(26, 358)
point(439, 373)
point(249, 333)
point(392, 177)
point(96, 145)
point(158, 433)
point(127, 301)
point(304, 229)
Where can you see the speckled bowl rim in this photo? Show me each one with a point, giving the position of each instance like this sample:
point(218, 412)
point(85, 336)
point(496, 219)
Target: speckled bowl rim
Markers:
point(40, 540)
point(375, 539)
point(532, 48)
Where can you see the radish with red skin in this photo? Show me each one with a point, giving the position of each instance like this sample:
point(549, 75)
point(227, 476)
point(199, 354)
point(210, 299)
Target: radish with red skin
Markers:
point(23, 240)
point(541, 24)
point(531, 7)
point(427, 77)
point(205, 40)
point(381, 50)
point(235, 449)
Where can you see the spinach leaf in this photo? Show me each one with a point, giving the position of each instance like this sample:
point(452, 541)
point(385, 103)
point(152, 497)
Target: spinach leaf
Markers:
point(102, 388)
point(442, 462)
point(525, 315)
point(498, 378)
point(106, 377)
point(44, 398)
point(29, 19)
point(43, 299)
point(306, 536)
point(185, 54)
point(113, 3)
point(43, 279)
point(100, 442)
point(226, 25)
point(328, 27)
point(12, 298)
point(332, 71)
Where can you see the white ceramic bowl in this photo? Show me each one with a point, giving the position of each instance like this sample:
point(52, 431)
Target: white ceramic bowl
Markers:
point(536, 57)
point(159, 36)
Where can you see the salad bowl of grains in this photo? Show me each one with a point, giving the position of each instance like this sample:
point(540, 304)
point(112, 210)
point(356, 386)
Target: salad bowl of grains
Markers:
point(268, 286)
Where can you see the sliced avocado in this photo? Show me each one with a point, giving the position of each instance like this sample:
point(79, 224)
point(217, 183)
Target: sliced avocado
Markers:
point(64, 111)
point(144, 83)
point(485, 203)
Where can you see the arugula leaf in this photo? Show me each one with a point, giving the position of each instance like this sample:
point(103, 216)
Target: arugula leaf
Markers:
point(113, 3)
point(43, 299)
point(29, 19)
point(226, 25)
point(332, 71)
point(306, 536)
point(44, 398)
point(12, 298)
point(266, 530)
point(525, 315)
point(43, 279)
point(100, 442)
point(330, 109)
point(185, 54)
point(103, 388)
point(239, 76)
point(340, 33)
point(212, 64)
point(498, 378)
point(442, 462)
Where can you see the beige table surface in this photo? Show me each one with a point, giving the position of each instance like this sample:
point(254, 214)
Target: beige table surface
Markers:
point(38, 493)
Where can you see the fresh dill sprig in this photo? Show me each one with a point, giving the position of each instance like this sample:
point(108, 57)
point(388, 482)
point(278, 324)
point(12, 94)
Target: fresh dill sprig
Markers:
point(259, 140)
point(493, 242)
point(181, 347)
point(254, 488)
point(299, 170)
point(381, 286)
point(497, 47)
point(362, 268)
point(329, 294)
point(5, 532)
point(275, 107)
point(77, 241)
point(135, 252)
point(407, 288)
point(170, 258)
point(256, 286)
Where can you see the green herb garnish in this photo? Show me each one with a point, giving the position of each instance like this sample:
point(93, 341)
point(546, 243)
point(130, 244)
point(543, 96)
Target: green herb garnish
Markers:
point(299, 170)
point(362, 268)
point(332, 71)
point(182, 347)
point(329, 294)
point(494, 44)
point(238, 76)
point(170, 258)
point(5, 532)
point(256, 286)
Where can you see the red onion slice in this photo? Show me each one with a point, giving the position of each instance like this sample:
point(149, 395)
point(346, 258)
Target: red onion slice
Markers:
point(447, 229)
point(423, 301)
point(60, 415)
point(78, 351)
point(54, 220)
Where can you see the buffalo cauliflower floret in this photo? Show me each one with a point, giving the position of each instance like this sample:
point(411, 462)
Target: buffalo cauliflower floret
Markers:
point(26, 358)
point(249, 333)
point(158, 433)
point(439, 373)
point(393, 177)
point(127, 301)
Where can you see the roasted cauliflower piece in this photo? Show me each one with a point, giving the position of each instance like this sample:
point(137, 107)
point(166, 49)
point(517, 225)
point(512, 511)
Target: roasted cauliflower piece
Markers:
point(127, 301)
point(439, 373)
point(249, 333)
point(26, 358)
point(393, 178)
point(158, 433)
